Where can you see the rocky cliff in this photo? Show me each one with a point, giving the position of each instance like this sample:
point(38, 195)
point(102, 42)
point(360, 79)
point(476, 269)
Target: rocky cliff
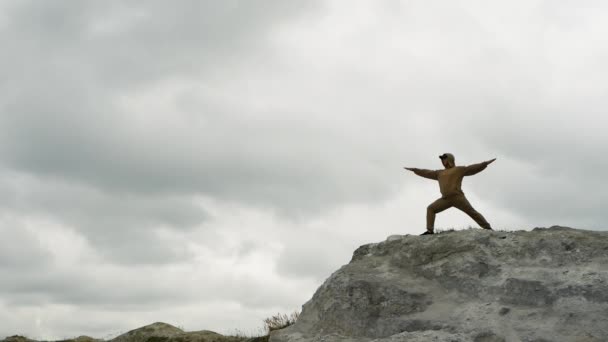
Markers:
point(472, 285)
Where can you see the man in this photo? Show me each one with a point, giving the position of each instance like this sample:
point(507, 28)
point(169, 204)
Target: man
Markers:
point(450, 181)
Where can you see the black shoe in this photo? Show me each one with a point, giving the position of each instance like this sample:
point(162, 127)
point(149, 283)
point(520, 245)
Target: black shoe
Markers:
point(428, 232)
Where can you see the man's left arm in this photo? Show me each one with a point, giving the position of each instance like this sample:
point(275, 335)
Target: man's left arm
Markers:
point(477, 168)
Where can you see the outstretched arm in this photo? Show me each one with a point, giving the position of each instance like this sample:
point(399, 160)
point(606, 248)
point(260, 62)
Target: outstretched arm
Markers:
point(477, 168)
point(430, 174)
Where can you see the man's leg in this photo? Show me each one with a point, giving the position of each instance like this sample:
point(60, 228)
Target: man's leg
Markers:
point(435, 208)
point(463, 204)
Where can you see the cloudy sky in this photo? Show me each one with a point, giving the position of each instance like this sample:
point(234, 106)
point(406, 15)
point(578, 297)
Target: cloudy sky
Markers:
point(209, 163)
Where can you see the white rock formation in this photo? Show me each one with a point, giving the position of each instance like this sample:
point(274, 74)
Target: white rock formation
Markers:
point(472, 285)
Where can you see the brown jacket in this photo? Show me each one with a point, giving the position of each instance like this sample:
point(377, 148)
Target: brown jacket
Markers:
point(450, 179)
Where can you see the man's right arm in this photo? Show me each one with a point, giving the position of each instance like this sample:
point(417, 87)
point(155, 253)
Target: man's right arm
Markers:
point(430, 174)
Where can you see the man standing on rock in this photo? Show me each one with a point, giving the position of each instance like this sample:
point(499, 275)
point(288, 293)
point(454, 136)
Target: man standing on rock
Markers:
point(450, 181)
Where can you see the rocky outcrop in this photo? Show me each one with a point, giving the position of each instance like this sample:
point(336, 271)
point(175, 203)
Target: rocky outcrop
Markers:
point(472, 285)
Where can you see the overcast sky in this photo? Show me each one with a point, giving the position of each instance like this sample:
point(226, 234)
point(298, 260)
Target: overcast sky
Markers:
point(210, 163)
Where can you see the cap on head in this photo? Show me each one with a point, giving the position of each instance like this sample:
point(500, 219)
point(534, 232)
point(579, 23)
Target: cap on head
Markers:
point(448, 159)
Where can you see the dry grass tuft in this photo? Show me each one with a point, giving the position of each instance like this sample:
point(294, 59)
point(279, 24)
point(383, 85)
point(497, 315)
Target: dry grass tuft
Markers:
point(280, 321)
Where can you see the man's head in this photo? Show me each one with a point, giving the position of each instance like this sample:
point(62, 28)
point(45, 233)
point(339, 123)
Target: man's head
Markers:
point(448, 160)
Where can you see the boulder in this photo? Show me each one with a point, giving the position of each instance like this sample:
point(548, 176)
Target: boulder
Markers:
point(548, 284)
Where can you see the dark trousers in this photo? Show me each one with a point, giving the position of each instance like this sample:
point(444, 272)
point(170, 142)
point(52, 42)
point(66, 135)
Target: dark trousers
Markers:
point(458, 201)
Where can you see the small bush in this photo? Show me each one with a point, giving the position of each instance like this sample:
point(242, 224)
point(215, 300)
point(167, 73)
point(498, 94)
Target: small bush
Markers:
point(280, 321)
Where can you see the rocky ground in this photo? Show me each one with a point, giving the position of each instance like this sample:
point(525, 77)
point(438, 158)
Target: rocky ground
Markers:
point(472, 285)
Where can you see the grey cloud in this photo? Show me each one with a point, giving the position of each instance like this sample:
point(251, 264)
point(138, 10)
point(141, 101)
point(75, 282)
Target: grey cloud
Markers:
point(136, 288)
point(19, 248)
point(138, 246)
point(305, 256)
point(542, 174)
point(552, 141)
point(116, 118)
point(83, 288)
point(75, 204)
point(65, 123)
point(121, 227)
point(125, 44)
point(259, 164)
